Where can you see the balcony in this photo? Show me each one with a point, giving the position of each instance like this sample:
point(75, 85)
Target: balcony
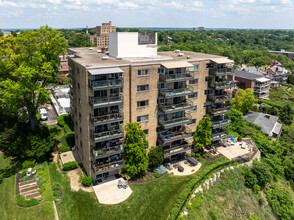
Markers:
point(222, 85)
point(219, 135)
point(176, 77)
point(219, 111)
point(220, 98)
point(262, 84)
point(108, 135)
point(220, 71)
point(176, 92)
point(116, 83)
point(107, 167)
point(109, 118)
point(168, 137)
point(170, 108)
point(168, 123)
point(106, 101)
point(176, 150)
point(108, 151)
point(220, 124)
point(265, 89)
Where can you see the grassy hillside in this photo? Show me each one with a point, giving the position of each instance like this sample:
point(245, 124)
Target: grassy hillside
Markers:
point(229, 198)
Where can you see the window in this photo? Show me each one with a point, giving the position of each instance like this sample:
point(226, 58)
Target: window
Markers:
point(142, 118)
point(80, 130)
point(143, 103)
point(209, 65)
point(206, 104)
point(78, 85)
point(80, 116)
point(193, 96)
point(194, 68)
point(193, 109)
point(142, 88)
point(79, 101)
point(193, 122)
point(78, 70)
point(146, 131)
point(206, 92)
point(160, 101)
point(207, 78)
point(143, 72)
point(193, 82)
point(160, 85)
point(160, 70)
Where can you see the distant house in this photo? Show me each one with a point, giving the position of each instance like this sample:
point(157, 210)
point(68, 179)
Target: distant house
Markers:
point(63, 66)
point(255, 81)
point(278, 73)
point(269, 123)
point(290, 55)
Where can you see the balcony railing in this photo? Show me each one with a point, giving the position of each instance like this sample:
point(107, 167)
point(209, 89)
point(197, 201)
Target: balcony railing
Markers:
point(266, 89)
point(262, 84)
point(108, 135)
point(168, 123)
point(219, 124)
point(176, 92)
point(109, 166)
point(106, 84)
point(168, 108)
point(222, 85)
point(106, 100)
point(176, 76)
point(219, 135)
point(220, 98)
point(109, 117)
point(219, 111)
point(220, 71)
point(108, 151)
point(168, 137)
point(176, 150)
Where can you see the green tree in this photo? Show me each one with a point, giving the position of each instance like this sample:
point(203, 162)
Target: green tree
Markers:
point(244, 100)
point(262, 172)
point(136, 159)
point(29, 61)
point(202, 136)
point(155, 156)
point(286, 114)
point(291, 79)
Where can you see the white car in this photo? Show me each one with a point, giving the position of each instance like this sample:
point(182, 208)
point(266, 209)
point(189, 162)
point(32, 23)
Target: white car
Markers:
point(43, 113)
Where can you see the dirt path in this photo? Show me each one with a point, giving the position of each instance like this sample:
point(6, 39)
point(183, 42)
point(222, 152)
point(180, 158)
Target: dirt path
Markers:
point(55, 211)
point(74, 181)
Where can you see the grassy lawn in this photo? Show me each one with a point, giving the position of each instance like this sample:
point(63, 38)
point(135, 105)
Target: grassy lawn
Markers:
point(229, 198)
point(281, 94)
point(8, 208)
point(153, 200)
point(57, 131)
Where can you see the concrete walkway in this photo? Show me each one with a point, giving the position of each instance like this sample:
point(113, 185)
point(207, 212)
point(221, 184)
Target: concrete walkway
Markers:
point(109, 193)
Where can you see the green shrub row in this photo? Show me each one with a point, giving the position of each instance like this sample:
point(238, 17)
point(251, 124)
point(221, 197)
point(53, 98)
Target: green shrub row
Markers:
point(87, 181)
point(56, 192)
point(206, 169)
point(70, 165)
point(67, 128)
point(259, 101)
point(63, 149)
point(21, 201)
point(65, 121)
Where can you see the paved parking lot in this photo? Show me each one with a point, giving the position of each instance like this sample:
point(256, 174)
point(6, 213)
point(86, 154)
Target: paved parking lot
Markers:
point(51, 114)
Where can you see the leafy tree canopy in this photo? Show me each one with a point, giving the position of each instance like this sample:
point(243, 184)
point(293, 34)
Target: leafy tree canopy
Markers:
point(155, 156)
point(286, 114)
point(202, 136)
point(244, 100)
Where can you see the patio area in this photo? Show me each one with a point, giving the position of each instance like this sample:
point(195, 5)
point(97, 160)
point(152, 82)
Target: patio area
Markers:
point(188, 168)
point(235, 150)
point(108, 192)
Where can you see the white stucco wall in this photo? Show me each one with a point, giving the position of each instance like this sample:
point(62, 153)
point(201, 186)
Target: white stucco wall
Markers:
point(125, 44)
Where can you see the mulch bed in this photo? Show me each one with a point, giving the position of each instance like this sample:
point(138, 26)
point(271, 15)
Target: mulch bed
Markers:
point(18, 176)
point(147, 174)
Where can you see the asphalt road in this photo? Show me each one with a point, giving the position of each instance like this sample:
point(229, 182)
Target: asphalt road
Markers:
point(51, 114)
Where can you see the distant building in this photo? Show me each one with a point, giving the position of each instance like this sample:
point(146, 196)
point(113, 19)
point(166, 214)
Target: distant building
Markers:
point(6, 33)
point(63, 66)
point(199, 29)
point(277, 72)
point(269, 123)
point(290, 55)
point(259, 84)
point(60, 99)
point(101, 38)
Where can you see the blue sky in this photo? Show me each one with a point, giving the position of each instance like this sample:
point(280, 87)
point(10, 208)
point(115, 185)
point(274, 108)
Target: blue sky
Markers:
point(275, 14)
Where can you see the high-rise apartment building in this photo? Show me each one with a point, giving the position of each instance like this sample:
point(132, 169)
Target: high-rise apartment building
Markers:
point(101, 38)
point(166, 92)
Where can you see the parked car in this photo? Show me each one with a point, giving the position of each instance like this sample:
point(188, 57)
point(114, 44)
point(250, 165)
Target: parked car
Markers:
point(43, 113)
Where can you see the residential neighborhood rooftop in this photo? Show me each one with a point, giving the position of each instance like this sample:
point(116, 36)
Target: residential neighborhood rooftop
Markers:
point(247, 75)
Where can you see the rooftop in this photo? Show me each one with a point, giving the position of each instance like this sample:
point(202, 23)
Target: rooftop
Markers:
point(247, 75)
point(92, 59)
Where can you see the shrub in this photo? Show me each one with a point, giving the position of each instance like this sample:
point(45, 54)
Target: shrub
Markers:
point(60, 120)
point(259, 101)
point(198, 154)
point(254, 217)
point(156, 175)
point(155, 156)
point(20, 200)
point(67, 128)
point(250, 178)
point(256, 188)
point(192, 154)
point(204, 156)
point(87, 181)
point(56, 192)
point(262, 172)
point(28, 163)
point(70, 165)
point(125, 176)
point(261, 201)
point(172, 173)
point(63, 149)
point(23, 173)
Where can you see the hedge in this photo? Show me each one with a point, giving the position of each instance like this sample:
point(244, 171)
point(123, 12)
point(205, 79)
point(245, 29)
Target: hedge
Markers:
point(87, 181)
point(65, 121)
point(63, 149)
point(207, 169)
point(70, 165)
point(259, 101)
point(28, 163)
point(20, 200)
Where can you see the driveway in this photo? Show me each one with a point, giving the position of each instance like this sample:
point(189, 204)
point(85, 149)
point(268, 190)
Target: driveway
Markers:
point(51, 114)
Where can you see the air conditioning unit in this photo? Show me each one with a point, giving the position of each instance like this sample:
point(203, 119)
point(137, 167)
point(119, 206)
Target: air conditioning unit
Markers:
point(99, 51)
point(105, 58)
point(107, 52)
